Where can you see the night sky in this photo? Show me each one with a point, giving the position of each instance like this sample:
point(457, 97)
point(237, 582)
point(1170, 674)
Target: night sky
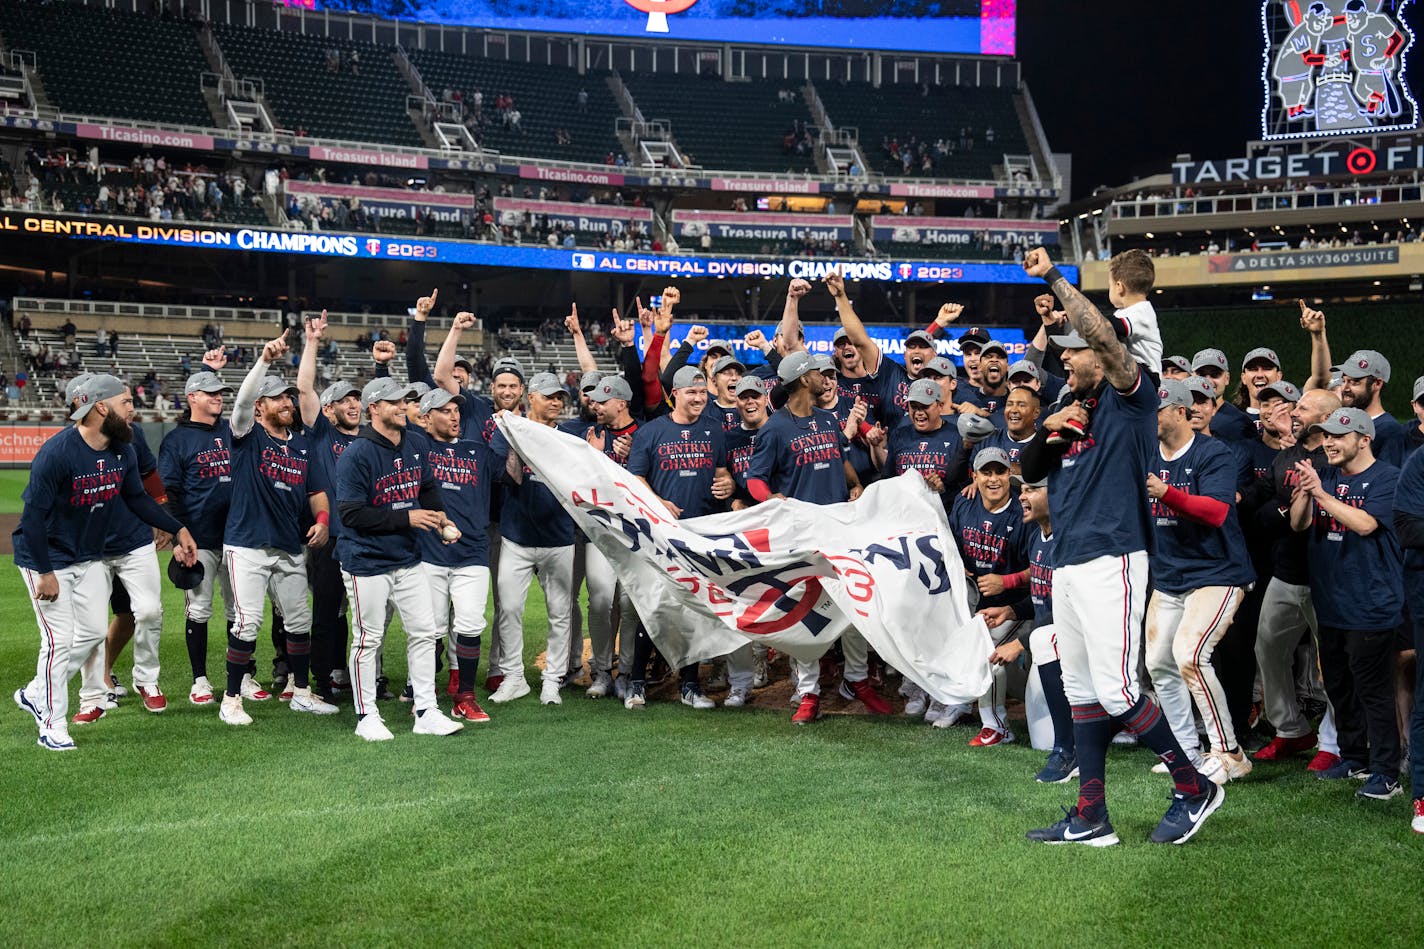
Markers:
point(1126, 86)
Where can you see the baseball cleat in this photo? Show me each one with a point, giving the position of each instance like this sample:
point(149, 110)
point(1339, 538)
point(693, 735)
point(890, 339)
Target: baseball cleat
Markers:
point(202, 691)
point(111, 701)
point(371, 728)
point(432, 721)
point(1073, 829)
point(1377, 787)
point(637, 696)
point(1342, 769)
point(1417, 824)
point(88, 716)
point(468, 709)
point(1187, 813)
point(808, 711)
point(863, 691)
point(948, 715)
point(761, 672)
point(736, 698)
point(601, 686)
point(55, 739)
point(916, 705)
point(620, 687)
point(153, 698)
point(1323, 761)
point(548, 693)
point(252, 690)
point(287, 689)
point(1278, 748)
point(510, 689)
point(340, 680)
point(1223, 766)
point(23, 701)
point(695, 699)
point(991, 736)
point(231, 712)
point(383, 689)
point(117, 687)
point(1061, 767)
point(493, 682)
point(408, 694)
point(304, 700)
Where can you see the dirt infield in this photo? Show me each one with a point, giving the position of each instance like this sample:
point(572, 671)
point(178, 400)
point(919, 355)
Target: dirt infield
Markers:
point(8, 523)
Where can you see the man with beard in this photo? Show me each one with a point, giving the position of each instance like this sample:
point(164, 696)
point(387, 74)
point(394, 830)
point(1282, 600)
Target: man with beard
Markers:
point(1021, 409)
point(77, 481)
point(195, 461)
point(330, 422)
point(987, 398)
point(263, 545)
point(852, 414)
point(1098, 493)
point(1365, 374)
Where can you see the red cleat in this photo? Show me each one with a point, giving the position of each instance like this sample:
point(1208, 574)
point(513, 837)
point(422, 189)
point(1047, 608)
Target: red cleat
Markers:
point(452, 687)
point(467, 708)
point(1323, 761)
point(990, 736)
point(153, 699)
point(863, 691)
point(1278, 749)
point(808, 711)
point(493, 682)
point(89, 715)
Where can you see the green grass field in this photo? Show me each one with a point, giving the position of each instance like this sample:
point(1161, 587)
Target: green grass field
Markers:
point(587, 824)
point(12, 485)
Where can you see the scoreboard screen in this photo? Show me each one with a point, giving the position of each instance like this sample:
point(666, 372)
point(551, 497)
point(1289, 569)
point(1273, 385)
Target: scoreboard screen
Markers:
point(940, 26)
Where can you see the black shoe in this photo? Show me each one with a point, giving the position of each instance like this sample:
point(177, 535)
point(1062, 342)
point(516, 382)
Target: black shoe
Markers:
point(383, 688)
point(1072, 829)
point(1187, 813)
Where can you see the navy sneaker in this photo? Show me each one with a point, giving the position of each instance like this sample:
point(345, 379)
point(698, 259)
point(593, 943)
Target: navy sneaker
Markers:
point(1073, 829)
point(1345, 768)
point(1187, 813)
point(1061, 767)
point(1377, 787)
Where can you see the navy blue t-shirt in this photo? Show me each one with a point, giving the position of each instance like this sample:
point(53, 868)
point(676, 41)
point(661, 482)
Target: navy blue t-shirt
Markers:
point(328, 442)
point(195, 463)
point(1390, 443)
point(271, 483)
point(925, 452)
point(857, 453)
point(679, 462)
point(464, 470)
point(128, 533)
point(994, 403)
point(530, 515)
point(893, 384)
point(78, 492)
point(727, 418)
point(1261, 458)
point(866, 388)
point(1187, 554)
point(1357, 582)
point(381, 475)
point(1098, 494)
point(1233, 425)
point(739, 443)
point(1040, 577)
point(990, 542)
point(801, 457)
point(1002, 440)
point(476, 416)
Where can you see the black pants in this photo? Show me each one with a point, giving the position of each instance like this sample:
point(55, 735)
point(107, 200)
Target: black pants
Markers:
point(329, 630)
point(1358, 667)
point(643, 651)
point(1235, 659)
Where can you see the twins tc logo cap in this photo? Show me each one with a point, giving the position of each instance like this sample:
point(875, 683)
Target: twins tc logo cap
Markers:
point(1262, 354)
point(1175, 392)
point(611, 387)
point(205, 381)
point(1281, 390)
point(1343, 420)
point(728, 362)
point(1200, 386)
point(974, 428)
point(1210, 359)
point(337, 391)
point(924, 392)
point(547, 384)
point(940, 366)
point(1364, 363)
point(990, 456)
point(1024, 368)
point(688, 376)
point(95, 389)
point(435, 398)
point(750, 385)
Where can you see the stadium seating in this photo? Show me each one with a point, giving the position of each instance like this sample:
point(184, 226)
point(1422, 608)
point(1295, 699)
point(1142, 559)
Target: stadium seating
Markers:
point(101, 62)
point(993, 254)
point(898, 111)
point(732, 126)
point(546, 97)
point(303, 92)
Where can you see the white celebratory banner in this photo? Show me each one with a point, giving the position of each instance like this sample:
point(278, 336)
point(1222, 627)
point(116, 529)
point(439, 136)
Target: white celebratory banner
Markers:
point(785, 573)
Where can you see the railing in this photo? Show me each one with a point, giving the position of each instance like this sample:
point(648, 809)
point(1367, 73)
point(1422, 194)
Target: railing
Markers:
point(1274, 201)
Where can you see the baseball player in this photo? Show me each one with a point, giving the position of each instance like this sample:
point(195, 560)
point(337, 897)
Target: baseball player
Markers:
point(752, 403)
point(1409, 528)
point(1365, 374)
point(682, 458)
point(1200, 571)
point(1020, 410)
point(1097, 489)
point(989, 531)
point(263, 544)
point(458, 573)
point(78, 480)
point(1176, 367)
point(987, 398)
point(1347, 514)
point(387, 494)
point(798, 454)
point(538, 539)
point(195, 462)
point(926, 442)
point(1229, 422)
point(853, 414)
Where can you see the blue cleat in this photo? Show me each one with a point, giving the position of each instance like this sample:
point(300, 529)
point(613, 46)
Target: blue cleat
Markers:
point(1072, 829)
point(1186, 815)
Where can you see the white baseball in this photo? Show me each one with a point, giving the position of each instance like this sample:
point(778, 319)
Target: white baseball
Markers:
point(450, 533)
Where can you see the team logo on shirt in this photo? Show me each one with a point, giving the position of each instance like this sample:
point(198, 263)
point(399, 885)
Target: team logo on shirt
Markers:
point(924, 445)
point(398, 464)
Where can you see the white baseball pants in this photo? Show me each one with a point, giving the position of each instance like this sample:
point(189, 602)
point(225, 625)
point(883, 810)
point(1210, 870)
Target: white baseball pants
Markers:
point(466, 590)
point(857, 666)
point(70, 628)
point(138, 569)
point(408, 589)
point(1097, 615)
point(603, 593)
point(256, 574)
point(555, 568)
point(1182, 632)
point(993, 704)
point(198, 602)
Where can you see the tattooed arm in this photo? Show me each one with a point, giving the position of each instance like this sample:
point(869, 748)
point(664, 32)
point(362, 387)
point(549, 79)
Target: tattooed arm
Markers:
point(1118, 367)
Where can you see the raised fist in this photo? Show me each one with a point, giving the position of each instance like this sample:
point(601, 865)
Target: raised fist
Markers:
point(1036, 262)
point(798, 289)
point(948, 313)
point(384, 351)
point(696, 334)
point(463, 321)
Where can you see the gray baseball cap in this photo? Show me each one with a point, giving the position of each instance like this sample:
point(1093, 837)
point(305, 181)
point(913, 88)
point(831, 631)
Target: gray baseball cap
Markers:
point(973, 428)
point(384, 389)
point(727, 362)
point(990, 456)
point(420, 388)
point(465, 364)
point(994, 346)
point(507, 364)
point(1024, 368)
point(273, 386)
point(1069, 340)
point(940, 366)
point(1200, 386)
point(1262, 354)
point(924, 392)
point(612, 387)
point(1018, 480)
point(839, 335)
point(590, 380)
point(96, 389)
point(1337, 378)
point(1282, 389)
point(823, 363)
point(205, 381)
point(795, 366)
point(1344, 420)
point(714, 345)
point(1365, 363)
point(1181, 362)
point(1174, 392)
point(435, 398)
point(337, 391)
point(546, 384)
point(1210, 358)
point(688, 376)
point(71, 388)
point(920, 336)
point(748, 385)
point(1418, 388)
